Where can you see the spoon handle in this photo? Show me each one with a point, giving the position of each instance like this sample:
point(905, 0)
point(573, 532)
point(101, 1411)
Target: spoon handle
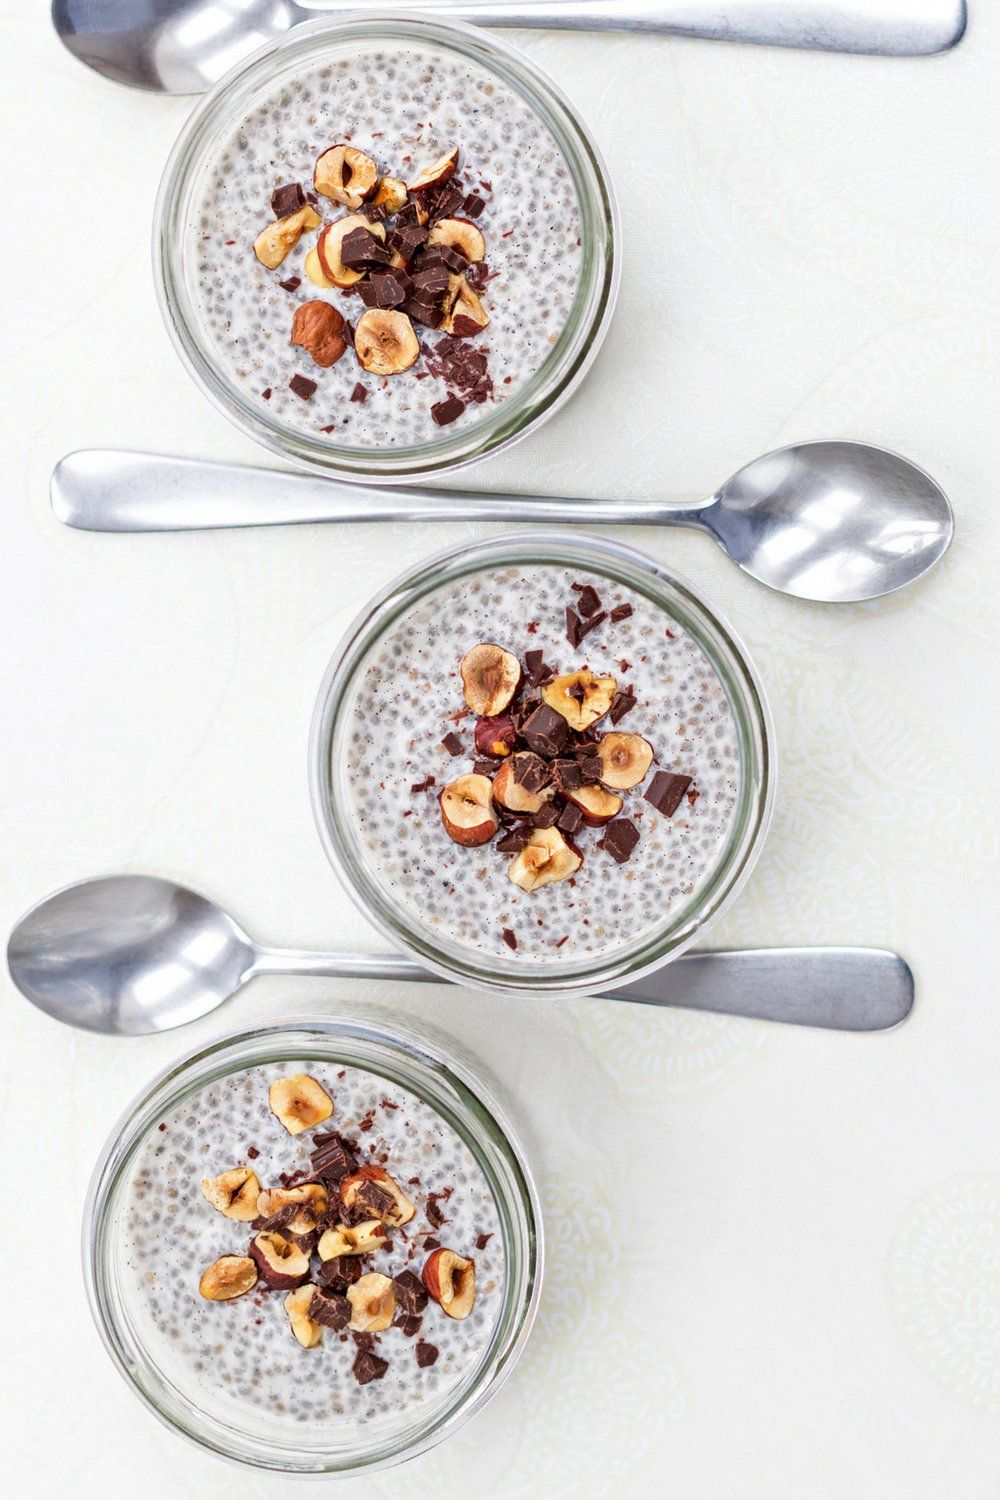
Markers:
point(842, 989)
point(104, 489)
point(901, 28)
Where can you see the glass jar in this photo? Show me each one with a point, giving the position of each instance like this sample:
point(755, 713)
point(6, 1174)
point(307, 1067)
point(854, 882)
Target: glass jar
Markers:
point(500, 424)
point(266, 1440)
point(339, 826)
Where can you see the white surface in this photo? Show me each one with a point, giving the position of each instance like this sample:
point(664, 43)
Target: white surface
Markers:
point(775, 1255)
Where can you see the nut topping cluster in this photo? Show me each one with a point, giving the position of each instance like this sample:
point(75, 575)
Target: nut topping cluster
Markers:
point(543, 771)
point(312, 1240)
point(411, 251)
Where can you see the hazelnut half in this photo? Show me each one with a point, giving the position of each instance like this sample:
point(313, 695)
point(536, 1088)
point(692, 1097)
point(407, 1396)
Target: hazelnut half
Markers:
point(467, 810)
point(545, 858)
point(277, 238)
point(330, 243)
point(510, 793)
point(229, 1276)
point(580, 697)
point(234, 1194)
point(314, 270)
point(373, 1303)
point(280, 1262)
point(385, 341)
point(299, 1102)
point(625, 759)
point(390, 195)
point(321, 330)
point(351, 1239)
point(451, 1281)
point(461, 235)
point(435, 172)
point(346, 175)
point(495, 735)
point(355, 1188)
point(464, 313)
point(312, 1200)
point(490, 678)
point(297, 1306)
point(597, 805)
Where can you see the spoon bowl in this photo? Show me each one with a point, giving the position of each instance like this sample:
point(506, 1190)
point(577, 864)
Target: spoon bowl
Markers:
point(830, 521)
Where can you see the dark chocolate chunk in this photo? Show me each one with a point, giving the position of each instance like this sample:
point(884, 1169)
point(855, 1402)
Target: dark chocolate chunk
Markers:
point(287, 199)
point(573, 624)
point(522, 713)
point(509, 938)
point(622, 703)
point(360, 250)
point(444, 256)
point(621, 612)
point(407, 238)
point(514, 841)
point(252, 1153)
point(591, 623)
point(280, 1219)
point(411, 1294)
point(330, 1309)
point(299, 385)
point(590, 769)
point(369, 1366)
point(340, 1272)
point(452, 743)
point(547, 815)
point(331, 1159)
point(530, 771)
point(665, 792)
point(292, 284)
point(588, 601)
point(571, 818)
point(388, 288)
point(447, 200)
point(372, 1201)
point(430, 282)
point(545, 731)
point(473, 205)
point(359, 394)
point(620, 838)
point(445, 412)
point(537, 670)
point(428, 314)
point(409, 1327)
point(484, 768)
point(426, 1353)
point(567, 775)
point(423, 786)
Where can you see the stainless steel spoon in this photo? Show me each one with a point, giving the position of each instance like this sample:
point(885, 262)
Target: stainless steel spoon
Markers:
point(130, 954)
point(184, 46)
point(829, 521)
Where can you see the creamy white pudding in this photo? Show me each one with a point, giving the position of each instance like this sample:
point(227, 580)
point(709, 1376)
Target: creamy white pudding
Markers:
point(626, 819)
point(402, 108)
point(210, 1179)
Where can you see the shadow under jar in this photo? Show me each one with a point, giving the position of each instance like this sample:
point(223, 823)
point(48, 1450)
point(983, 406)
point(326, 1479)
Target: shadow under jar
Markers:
point(228, 1374)
point(403, 91)
point(392, 730)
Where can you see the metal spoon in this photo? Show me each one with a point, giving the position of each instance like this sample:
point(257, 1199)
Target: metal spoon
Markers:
point(827, 521)
point(130, 954)
point(184, 46)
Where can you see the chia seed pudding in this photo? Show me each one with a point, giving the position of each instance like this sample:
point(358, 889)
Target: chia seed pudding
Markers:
point(222, 1181)
point(402, 108)
point(540, 763)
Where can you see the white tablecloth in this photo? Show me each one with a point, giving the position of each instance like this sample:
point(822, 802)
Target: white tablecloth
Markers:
point(774, 1254)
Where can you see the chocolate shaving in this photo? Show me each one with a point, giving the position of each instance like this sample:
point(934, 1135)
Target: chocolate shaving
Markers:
point(292, 284)
point(620, 612)
point(665, 792)
point(482, 1240)
point(423, 786)
point(588, 602)
point(359, 393)
point(537, 668)
point(452, 743)
point(511, 942)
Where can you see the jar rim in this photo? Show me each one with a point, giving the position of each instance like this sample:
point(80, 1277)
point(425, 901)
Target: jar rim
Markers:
point(417, 1061)
point(729, 659)
point(542, 393)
